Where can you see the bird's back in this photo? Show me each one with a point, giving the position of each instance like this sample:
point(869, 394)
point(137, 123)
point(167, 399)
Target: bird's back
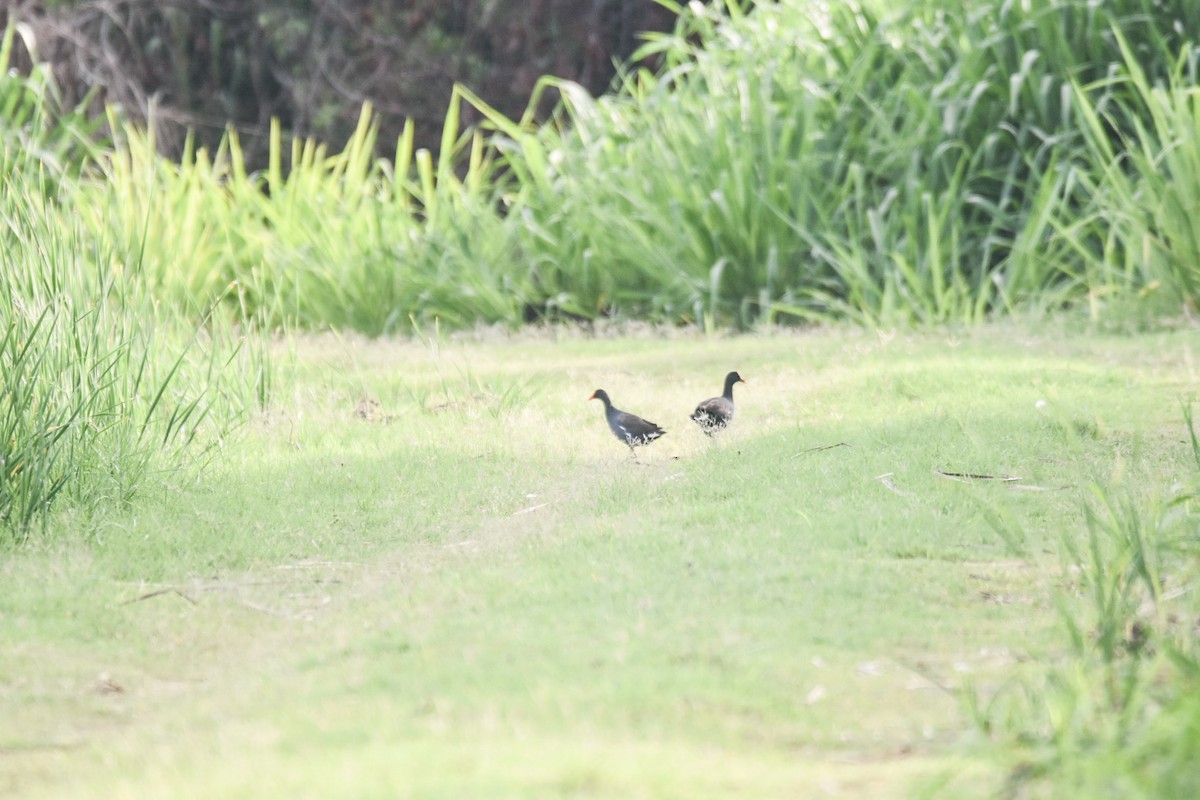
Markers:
point(631, 428)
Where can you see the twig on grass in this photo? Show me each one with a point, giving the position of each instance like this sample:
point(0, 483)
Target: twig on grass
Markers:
point(1010, 480)
point(265, 609)
point(926, 674)
point(294, 616)
point(233, 586)
point(974, 476)
point(819, 448)
point(159, 593)
point(317, 564)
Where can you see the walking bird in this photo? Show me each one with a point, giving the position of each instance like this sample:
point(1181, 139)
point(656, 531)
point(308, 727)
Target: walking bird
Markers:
point(629, 428)
point(716, 412)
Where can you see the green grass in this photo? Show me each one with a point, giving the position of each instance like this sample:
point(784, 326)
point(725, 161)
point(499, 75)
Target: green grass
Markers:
point(473, 590)
point(921, 164)
point(479, 593)
point(105, 386)
point(1117, 715)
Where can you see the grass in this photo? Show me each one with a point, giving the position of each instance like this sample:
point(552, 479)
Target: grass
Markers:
point(105, 386)
point(1118, 714)
point(102, 388)
point(951, 563)
point(911, 165)
point(471, 595)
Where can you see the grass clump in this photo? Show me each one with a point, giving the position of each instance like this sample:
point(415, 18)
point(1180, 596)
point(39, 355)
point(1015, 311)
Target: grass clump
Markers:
point(1138, 193)
point(36, 131)
point(1118, 715)
point(104, 386)
point(320, 239)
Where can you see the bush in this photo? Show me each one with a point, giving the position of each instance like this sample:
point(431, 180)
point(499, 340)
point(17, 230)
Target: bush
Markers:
point(808, 161)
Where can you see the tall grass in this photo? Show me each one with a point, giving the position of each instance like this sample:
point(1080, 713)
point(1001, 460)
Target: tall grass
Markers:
point(320, 238)
point(1118, 715)
point(808, 160)
point(104, 388)
point(104, 385)
point(1141, 196)
point(924, 164)
point(35, 128)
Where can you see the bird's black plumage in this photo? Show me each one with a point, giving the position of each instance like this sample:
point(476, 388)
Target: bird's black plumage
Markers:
point(629, 428)
point(715, 413)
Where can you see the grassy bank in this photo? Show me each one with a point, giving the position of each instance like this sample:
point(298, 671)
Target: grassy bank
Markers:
point(474, 590)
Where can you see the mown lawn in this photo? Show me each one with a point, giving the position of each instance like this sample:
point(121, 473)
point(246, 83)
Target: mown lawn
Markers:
point(473, 591)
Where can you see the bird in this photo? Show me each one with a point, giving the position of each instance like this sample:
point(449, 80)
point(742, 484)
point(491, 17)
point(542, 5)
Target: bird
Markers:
point(629, 428)
point(715, 413)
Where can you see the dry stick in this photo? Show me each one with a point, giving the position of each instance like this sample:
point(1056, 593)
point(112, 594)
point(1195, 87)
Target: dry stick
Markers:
point(1008, 479)
point(928, 675)
point(233, 586)
point(303, 615)
point(822, 447)
point(268, 610)
point(157, 593)
point(972, 476)
point(318, 564)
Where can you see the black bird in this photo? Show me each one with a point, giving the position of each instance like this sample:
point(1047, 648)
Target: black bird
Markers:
point(629, 428)
point(716, 412)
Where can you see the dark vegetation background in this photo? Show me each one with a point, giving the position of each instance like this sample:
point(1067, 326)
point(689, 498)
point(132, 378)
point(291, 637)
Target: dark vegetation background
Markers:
point(312, 63)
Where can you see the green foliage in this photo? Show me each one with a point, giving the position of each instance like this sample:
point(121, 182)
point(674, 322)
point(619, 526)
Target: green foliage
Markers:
point(1119, 716)
point(1138, 192)
point(804, 161)
point(36, 132)
point(318, 239)
point(922, 166)
point(104, 385)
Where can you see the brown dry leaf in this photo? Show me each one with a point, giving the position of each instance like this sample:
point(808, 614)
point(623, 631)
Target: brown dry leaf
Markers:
point(106, 685)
